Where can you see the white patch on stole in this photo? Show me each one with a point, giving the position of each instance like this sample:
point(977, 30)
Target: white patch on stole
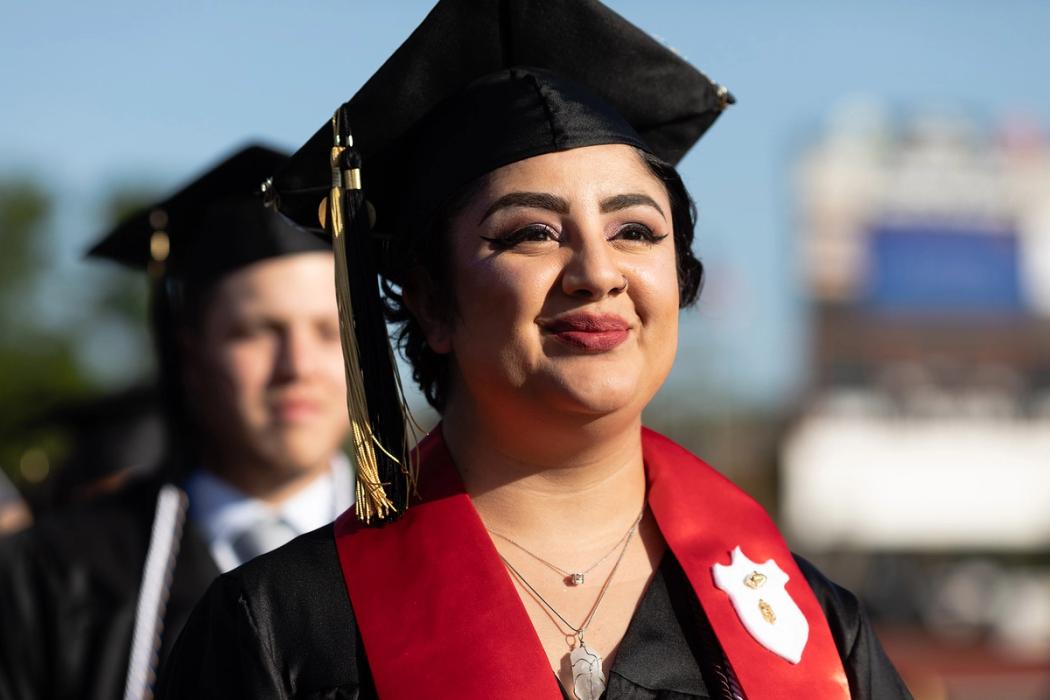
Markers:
point(763, 604)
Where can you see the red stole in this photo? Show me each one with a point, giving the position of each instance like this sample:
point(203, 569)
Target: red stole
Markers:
point(440, 617)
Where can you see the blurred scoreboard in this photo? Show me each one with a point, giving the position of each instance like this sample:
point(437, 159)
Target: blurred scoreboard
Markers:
point(926, 251)
point(942, 270)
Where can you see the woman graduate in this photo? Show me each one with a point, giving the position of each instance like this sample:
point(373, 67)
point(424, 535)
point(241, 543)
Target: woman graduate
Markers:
point(507, 174)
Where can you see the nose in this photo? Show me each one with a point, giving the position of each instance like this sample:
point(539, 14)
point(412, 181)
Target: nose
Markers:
point(295, 355)
point(593, 271)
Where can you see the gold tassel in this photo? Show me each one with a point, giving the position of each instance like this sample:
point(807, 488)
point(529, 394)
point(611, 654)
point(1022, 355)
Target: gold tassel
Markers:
point(372, 500)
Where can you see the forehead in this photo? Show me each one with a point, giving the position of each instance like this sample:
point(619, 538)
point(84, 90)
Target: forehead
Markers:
point(596, 171)
point(289, 285)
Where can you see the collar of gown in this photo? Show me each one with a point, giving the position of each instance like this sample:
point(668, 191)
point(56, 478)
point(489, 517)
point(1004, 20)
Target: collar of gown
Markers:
point(440, 617)
point(657, 650)
point(221, 511)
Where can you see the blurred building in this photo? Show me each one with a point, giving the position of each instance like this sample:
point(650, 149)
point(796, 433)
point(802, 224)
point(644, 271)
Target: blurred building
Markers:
point(919, 469)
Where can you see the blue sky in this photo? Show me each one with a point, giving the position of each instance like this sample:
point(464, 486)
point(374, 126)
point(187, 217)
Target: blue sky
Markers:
point(104, 93)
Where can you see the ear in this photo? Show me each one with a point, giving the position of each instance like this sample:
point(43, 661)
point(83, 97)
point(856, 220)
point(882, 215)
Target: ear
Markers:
point(423, 304)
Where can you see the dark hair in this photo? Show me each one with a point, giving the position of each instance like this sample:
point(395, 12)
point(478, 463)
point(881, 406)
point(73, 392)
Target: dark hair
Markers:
point(428, 265)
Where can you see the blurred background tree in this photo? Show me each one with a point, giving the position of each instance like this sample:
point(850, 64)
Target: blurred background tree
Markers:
point(39, 364)
point(45, 365)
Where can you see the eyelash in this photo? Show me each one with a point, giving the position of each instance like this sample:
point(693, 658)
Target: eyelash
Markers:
point(521, 235)
point(645, 234)
point(514, 238)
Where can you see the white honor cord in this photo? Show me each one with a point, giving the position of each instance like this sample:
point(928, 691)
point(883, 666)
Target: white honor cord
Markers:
point(153, 593)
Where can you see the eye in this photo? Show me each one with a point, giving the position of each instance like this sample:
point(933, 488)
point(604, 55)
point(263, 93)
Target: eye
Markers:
point(247, 330)
point(534, 233)
point(328, 331)
point(251, 329)
point(637, 232)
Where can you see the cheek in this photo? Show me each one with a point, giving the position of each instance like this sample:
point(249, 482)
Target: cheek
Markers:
point(334, 368)
point(655, 290)
point(500, 297)
point(493, 334)
point(656, 299)
point(245, 369)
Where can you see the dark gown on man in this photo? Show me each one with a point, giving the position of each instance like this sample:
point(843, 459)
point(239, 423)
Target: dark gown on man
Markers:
point(68, 593)
point(282, 626)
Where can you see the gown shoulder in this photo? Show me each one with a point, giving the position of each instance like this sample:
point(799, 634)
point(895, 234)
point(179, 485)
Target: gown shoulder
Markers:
point(279, 626)
point(68, 592)
point(869, 670)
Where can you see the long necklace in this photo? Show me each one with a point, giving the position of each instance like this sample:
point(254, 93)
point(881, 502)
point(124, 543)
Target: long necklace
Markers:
point(573, 578)
point(588, 679)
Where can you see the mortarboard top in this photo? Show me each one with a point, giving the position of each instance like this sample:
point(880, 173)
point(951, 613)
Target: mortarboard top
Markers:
point(478, 85)
point(483, 83)
point(211, 226)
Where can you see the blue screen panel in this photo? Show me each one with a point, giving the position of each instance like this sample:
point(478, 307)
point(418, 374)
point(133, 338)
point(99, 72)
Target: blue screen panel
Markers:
point(943, 270)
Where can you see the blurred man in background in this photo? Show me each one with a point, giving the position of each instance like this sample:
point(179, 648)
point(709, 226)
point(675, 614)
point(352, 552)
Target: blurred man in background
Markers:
point(252, 380)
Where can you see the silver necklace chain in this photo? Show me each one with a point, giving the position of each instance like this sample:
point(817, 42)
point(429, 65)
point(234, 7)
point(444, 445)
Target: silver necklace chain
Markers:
point(575, 577)
point(601, 594)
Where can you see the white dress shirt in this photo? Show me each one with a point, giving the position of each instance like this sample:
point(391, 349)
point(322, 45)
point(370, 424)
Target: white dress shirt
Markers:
point(221, 512)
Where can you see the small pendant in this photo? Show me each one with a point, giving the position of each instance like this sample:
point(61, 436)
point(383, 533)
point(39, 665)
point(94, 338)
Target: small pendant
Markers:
point(588, 680)
point(576, 579)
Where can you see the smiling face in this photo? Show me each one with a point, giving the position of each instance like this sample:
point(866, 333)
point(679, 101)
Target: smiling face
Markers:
point(566, 290)
point(264, 369)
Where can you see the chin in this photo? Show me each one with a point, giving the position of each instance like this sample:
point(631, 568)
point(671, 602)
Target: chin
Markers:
point(296, 450)
point(596, 394)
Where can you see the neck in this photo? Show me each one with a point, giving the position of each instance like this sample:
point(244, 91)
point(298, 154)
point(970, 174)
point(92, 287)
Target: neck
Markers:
point(259, 479)
point(538, 479)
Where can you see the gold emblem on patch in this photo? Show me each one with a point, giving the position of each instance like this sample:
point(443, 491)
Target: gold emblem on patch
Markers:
point(767, 612)
point(755, 580)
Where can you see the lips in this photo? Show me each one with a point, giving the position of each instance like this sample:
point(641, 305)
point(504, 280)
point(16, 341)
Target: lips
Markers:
point(589, 332)
point(294, 410)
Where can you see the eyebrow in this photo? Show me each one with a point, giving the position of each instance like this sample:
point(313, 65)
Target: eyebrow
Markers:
point(626, 201)
point(532, 200)
point(550, 202)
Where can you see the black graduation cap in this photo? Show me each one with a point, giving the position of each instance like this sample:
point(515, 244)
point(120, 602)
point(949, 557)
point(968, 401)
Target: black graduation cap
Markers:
point(543, 75)
point(478, 85)
point(213, 225)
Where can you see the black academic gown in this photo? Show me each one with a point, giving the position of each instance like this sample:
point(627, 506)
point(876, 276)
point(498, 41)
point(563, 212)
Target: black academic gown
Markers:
point(281, 626)
point(68, 592)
